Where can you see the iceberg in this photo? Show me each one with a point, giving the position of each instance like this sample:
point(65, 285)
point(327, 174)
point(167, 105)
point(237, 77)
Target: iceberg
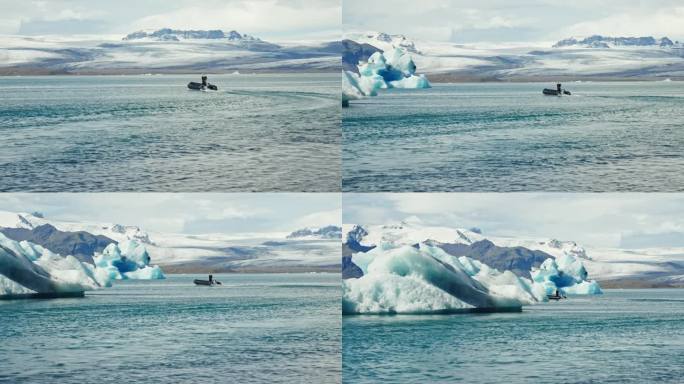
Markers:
point(394, 69)
point(566, 274)
point(423, 278)
point(350, 88)
point(127, 260)
point(30, 270)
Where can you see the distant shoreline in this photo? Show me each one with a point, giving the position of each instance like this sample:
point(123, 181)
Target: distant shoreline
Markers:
point(17, 72)
point(636, 283)
point(175, 269)
point(454, 78)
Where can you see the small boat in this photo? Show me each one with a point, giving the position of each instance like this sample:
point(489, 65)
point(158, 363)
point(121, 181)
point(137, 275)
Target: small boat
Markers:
point(556, 92)
point(201, 87)
point(556, 297)
point(206, 282)
point(204, 85)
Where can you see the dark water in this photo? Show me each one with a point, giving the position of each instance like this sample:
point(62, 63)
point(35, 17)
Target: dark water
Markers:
point(509, 137)
point(623, 336)
point(150, 133)
point(254, 329)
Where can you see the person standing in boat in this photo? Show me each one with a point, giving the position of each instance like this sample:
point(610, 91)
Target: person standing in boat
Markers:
point(204, 81)
point(558, 87)
point(211, 277)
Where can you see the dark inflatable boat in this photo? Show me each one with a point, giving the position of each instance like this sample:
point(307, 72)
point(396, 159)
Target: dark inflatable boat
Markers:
point(553, 92)
point(556, 92)
point(209, 282)
point(201, 87)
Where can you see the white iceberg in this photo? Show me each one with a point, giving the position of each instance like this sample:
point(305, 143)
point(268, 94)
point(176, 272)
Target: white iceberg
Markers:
point(425, 279)
point(350, 87)
point(407, 279)
point(29, 269)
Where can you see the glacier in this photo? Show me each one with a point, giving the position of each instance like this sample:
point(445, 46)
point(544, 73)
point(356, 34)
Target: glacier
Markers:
point(28, 269)
point(403, 270)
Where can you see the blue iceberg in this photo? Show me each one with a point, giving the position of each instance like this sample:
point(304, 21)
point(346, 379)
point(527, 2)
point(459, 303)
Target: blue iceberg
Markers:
point(127, 260)
point(394, 69)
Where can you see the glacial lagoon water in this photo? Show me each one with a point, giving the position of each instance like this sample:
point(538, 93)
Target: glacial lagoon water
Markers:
point(619, 136)
point(150, 133)
point(623, 336)
point(254, 328)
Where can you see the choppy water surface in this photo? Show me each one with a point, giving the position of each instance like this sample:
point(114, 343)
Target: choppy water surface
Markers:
point(150, 133)
point(623, 336)
point(253, 329)
point(509, 137)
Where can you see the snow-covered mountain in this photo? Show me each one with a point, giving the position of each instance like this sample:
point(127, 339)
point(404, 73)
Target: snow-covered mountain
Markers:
point(327, 232)
point(163, 51)
point(168, 34)
point(113, 231)
point(385, 41)
point(611, 266)
point(598, 41)
point(593, 58)
point(178, 253)
point(232, 37)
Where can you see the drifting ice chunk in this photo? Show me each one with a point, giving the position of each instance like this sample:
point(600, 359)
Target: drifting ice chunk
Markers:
point(414, 82)
point(417, 280)
point(425, 279)
point(146, 273)
point(27, 268)
point(350, 87)
point(126, 260)
point(395, 69)
point(565, 274)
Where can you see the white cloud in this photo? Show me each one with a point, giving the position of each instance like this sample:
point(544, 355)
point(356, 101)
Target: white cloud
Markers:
point(505, 20)
point(319, 219)
point(287, 19)
point(180, 212)
point(254, 17)
point(591, 219)
point(657, 23)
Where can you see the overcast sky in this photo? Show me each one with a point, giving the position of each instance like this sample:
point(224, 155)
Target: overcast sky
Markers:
point(467, 21)
point(267, 19)
point(186, 213)
point(600, 220)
